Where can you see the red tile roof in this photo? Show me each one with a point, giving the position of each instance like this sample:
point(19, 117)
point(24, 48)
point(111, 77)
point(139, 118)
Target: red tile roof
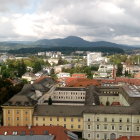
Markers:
point(80, 82)
point(129, 138)
point(115, 104)
point(79, 75)
point(57, 131)
point(133, 81)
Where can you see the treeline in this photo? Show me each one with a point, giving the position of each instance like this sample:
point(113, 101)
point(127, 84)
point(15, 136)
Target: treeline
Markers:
point(67, 50)
point(7, 90)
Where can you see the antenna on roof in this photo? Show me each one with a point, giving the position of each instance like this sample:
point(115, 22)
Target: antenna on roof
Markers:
point(29, 126)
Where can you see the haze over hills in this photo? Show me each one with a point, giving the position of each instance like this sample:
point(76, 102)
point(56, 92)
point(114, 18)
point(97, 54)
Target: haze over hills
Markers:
point(71, 41)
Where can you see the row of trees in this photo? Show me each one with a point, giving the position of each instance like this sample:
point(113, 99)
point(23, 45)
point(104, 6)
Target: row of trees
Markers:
point(7, 89)
point(84, 69)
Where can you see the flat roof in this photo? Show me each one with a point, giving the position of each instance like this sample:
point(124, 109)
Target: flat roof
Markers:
point(132, 90)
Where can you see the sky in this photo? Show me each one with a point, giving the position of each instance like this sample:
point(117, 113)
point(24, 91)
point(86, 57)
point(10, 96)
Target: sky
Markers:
point(93, 20)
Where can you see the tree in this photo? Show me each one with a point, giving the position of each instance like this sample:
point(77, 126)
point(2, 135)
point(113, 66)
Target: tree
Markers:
point(37, 67)
point(119, 69)
point(50, 101)
point(21, 68)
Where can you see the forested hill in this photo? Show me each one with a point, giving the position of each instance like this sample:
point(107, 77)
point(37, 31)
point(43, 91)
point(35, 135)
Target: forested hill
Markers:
point(67, 50)
point(71, 41)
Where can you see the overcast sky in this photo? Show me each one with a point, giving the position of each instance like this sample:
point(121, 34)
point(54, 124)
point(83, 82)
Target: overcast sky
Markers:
point(109, 20)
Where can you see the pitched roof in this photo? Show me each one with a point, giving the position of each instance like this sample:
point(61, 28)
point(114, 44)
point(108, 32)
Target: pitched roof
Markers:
point(59, 132)
point(129, 138)
point(77, 82)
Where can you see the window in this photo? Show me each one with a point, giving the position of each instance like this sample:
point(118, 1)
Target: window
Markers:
point(98, 136)
point(105, 126)
point(88, 126)
point(17, 112)
point(113, 127)
point(50, 119)
point(43, 119)
point(105, 119)
point(17, 118)
point(98, 119)
point(138, 129)
point(8, 118)
point(64, 125)
point(43, 124)
point(112, 119)
point(120, 119)
point(71, 119)
point(120, 127)
point(8, 111)
point(88, 135)
point(36, 118)
point(79, 126)
point(26, 112)
point(98, 126)
point(64, 119)
point(105, 136)
point(127, 128)
point(57, 118)
point(137, 120)
point(26, 118)
point(88, 119)
point(71, 126)
point(79, 119)
point(127, 119)
point(36, 124)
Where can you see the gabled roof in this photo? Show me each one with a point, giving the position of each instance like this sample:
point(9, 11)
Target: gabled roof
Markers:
point(59, 132)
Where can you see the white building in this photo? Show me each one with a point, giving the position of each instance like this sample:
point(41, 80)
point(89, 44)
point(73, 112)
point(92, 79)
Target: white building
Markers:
point(63, 74)
point(93, 57)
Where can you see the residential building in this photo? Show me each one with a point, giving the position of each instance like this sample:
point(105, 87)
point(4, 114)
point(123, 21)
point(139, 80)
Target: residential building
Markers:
point(97, 113)
point(36, 133)
point(63, 74)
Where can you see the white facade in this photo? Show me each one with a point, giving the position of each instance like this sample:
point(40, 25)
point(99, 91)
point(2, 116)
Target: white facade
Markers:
point(93, 58)
point(63, 74)
point(110, 126)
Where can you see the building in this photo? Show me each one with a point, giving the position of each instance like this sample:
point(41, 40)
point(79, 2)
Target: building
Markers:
point(95, 58)
point(96, 112)
point(36, 133)
point(63, 75)
point(29, 76)
point(79, 75)
point(105, 71)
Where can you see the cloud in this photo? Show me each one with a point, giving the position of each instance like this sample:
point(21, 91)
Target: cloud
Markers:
point(110, 20)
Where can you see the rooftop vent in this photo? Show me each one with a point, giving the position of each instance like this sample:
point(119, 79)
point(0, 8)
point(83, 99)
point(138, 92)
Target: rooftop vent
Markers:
point(5, 133)
point(46, 132)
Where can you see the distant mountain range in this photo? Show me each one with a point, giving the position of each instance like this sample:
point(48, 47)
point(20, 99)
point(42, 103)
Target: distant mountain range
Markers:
point(71, 41)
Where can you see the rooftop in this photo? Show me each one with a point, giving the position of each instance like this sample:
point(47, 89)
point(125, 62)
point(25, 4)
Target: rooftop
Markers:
point(35, 133)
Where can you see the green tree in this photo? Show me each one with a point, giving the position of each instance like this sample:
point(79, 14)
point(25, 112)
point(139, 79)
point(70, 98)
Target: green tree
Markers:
point(37, 67)
point(21, 68)
point(119, 69)
point(50, 101)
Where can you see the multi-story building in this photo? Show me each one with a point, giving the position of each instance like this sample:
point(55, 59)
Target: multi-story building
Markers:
point(97, 113)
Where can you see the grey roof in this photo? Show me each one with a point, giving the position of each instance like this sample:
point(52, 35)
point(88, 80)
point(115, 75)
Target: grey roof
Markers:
point(111, 110)
point(92, 96)
point(69, 89)
point(20, 100)
point(32, 137)
point(58, 110)
point(75, 111)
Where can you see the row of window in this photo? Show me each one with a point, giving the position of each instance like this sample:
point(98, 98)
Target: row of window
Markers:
point(65, 125)
point(68, 97)
point(18, 118)
point(67, 93)
point(17, 112)
point(105, 126)
point(114, 92)
point(51, 119)
point(113, 120)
